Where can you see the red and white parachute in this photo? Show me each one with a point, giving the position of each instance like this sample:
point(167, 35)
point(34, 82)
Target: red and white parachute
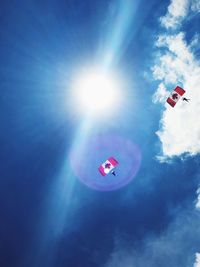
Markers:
point(108, 166)
point(175, 95)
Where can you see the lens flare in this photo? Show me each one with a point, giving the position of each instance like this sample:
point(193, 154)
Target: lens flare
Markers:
point(88, 156)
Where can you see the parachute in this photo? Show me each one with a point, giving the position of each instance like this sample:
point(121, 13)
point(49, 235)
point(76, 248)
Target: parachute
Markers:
point(108, 166)
point(175, 95)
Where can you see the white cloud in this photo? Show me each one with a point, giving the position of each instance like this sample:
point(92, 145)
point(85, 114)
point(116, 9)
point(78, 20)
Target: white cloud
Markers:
point(195, 41)
point(197, 263)
point(179, 130)
point(195, 6)
point(161, 94)
point(180, 127)
point(177, 11)
point(178, 61)
point(198, 199)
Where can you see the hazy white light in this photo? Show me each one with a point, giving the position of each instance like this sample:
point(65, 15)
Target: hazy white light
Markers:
point(96, 92)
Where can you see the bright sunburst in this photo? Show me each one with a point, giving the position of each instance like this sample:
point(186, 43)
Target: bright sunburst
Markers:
point(96, 92)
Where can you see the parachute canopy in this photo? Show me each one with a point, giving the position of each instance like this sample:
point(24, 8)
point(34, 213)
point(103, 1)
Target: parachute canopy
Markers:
point(108, 166)
point(175, 95)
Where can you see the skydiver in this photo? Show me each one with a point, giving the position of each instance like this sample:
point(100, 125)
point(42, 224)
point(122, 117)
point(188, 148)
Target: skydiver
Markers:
point(113, 173)
point(186, 99)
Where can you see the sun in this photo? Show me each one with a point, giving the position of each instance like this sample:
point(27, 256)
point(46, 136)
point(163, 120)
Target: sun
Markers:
point(96, 92)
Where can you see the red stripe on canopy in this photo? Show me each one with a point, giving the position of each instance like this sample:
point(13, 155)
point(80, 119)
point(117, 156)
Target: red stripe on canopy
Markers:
point(179, 90)
point(101, 170)
point(171, 102)
point(113, 161)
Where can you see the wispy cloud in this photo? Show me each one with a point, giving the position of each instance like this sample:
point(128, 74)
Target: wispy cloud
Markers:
point(195, 6)
point(197, 263)
point(177, 11)
point(198, 199)
point(174, 247)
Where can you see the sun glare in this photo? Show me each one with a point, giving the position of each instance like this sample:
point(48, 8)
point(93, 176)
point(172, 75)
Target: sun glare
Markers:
point(96, 92)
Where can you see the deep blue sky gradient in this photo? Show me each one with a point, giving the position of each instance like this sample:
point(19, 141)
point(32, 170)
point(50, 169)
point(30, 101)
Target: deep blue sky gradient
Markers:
point(48, 217)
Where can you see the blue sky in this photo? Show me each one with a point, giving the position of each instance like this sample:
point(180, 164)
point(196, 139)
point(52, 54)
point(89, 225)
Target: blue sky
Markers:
point(49, 217)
